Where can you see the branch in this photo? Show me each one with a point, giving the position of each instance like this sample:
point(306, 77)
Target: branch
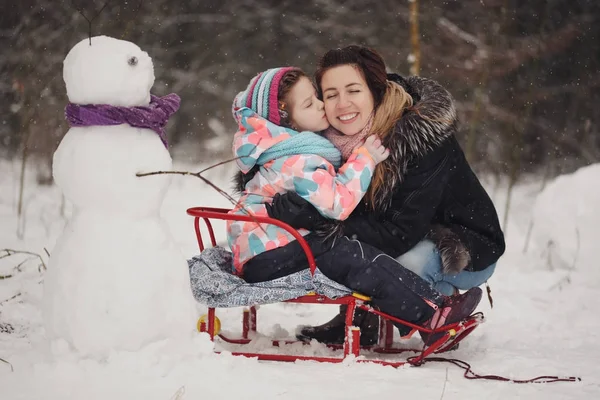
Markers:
point(502, 61)
point(565, 280)
point(208, 182)
point(507, 116)
point(89, 21)
point(131, 21)
point(9, 364)
point(197, 175)
point(10, 252)
point(533, 48)
point(577, 236)
point(218, 164)
point(18, 267)
point(493, 3)
point(546, 93)
point(179, 394)
point(9, 299)
point(180, 19)
point(452, 29)
point(545, 178)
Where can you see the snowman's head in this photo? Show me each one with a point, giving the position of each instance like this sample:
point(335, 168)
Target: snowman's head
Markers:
point(109, 71)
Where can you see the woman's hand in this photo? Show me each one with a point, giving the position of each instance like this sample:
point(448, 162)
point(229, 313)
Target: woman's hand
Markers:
point(376, 149)
point(292, 209)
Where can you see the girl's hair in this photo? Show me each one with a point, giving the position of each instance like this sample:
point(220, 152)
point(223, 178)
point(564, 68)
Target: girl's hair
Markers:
point(286, 84)
point(390, 99)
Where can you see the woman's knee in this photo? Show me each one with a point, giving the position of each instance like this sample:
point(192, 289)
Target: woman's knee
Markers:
point(424, 260)
point(468, 279)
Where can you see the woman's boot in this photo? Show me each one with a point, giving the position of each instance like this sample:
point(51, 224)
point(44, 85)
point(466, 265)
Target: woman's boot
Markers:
point(332, 332)
point(454, 309)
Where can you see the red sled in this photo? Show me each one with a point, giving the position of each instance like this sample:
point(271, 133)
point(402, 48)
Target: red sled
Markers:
point(453, 333)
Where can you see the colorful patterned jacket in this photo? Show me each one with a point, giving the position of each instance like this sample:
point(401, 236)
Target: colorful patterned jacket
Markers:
point(334, 193)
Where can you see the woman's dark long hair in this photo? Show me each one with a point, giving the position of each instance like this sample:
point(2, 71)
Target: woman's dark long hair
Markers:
point(370, 65)
point(390, 99)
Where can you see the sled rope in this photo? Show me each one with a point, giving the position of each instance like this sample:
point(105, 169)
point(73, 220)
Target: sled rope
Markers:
point(469, 374)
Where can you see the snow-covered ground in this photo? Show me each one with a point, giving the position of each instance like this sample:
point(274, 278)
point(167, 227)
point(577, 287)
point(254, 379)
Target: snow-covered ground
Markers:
point(544, 321)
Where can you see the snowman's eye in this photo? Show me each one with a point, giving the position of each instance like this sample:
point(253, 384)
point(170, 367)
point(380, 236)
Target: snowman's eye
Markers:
point(132, 61)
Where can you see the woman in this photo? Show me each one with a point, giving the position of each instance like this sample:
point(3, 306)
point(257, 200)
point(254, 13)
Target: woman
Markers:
point(425, 206)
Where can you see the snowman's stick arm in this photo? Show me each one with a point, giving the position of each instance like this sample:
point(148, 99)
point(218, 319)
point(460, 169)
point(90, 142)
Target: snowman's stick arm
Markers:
point(197, 175)
point(219, 164)
point(207, 181)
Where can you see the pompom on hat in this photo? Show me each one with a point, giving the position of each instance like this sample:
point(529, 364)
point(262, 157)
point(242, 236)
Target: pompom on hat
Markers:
point(261, 94)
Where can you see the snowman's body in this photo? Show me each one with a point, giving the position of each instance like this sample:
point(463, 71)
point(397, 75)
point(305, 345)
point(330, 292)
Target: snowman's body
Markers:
point(116, 279)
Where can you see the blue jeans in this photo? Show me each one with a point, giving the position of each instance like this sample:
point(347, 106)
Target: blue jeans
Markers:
point(424, 260)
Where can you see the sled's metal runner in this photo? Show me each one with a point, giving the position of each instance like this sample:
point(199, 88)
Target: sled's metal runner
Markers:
point(454, 333)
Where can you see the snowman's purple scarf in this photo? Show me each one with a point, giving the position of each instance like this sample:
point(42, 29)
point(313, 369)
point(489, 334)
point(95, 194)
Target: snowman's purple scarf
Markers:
point(154, 116)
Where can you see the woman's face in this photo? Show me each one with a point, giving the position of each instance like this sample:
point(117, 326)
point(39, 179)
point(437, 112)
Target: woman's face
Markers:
point(348, 100)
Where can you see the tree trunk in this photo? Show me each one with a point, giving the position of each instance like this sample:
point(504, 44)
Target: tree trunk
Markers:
point(415, 55)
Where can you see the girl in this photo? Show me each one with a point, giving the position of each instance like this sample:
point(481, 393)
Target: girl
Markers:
point(304, 164)
point(277, 115)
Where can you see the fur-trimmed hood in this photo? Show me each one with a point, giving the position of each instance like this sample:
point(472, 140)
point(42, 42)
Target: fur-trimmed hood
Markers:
point(421, 129)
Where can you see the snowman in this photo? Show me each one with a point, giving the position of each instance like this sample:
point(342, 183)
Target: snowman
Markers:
point(116, 280)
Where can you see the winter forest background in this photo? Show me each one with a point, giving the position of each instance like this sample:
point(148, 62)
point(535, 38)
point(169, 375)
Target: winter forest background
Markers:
point(526, 75)
point(526, 78)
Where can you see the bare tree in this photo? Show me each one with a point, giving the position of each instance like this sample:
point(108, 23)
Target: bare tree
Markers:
point(415, 44)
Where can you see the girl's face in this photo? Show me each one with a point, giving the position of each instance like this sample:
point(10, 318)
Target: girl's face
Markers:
point(306, 110)
point(348, 100)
